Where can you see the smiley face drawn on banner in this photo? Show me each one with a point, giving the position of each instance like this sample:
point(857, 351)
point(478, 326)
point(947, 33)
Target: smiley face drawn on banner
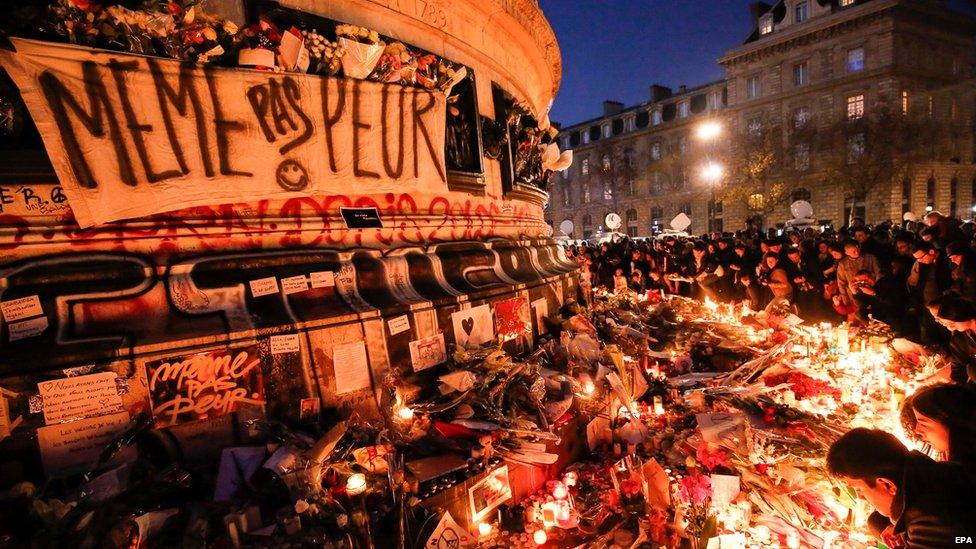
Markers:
point(291, 175)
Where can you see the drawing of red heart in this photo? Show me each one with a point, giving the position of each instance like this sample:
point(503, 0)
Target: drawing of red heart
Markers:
point(468, 325)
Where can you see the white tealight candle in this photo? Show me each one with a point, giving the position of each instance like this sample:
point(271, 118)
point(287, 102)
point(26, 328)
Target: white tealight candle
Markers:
point(356, 484)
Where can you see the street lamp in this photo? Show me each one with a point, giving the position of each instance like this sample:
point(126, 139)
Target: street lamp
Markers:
point(712, 173)
point(708, 130)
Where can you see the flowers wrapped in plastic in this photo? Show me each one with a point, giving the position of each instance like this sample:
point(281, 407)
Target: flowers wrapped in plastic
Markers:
point(363, 49)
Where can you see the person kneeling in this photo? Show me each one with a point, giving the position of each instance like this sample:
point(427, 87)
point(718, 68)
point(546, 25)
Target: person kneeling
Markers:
point(920, 503)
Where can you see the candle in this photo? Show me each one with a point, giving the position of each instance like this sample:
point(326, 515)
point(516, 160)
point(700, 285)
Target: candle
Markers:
point(405, 413)
point(548, 513)
point(484, 529)
point(559, 491)
point(540, 537)
point(356, 484)
point(793, 539)
point(569, 479)
point(658, 406)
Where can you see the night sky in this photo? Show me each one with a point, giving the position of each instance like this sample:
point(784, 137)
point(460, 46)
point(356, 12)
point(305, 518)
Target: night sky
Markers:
point(615, 49)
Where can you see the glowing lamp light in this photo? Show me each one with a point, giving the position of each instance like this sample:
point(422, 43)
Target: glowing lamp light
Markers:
point(928, 208)
point(709, 130)
point(356, 484)
point(540, 537)
point(484, 529)
point(712, 171)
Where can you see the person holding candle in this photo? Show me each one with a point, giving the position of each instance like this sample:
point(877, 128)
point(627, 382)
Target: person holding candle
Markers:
point(920, 503)
point(944, 417)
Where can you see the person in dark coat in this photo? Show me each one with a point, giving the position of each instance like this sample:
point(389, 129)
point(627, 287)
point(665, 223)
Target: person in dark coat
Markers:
point(919, 503)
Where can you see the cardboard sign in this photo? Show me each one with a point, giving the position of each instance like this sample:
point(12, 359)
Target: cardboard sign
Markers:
point(74, 447)
point(19, 309)
point(472, 327)
point(131, 136)
point(361, 218)
point(448, 535)
point(79, 397)
point(489, 492)
point(428, 352)
point(204, 385)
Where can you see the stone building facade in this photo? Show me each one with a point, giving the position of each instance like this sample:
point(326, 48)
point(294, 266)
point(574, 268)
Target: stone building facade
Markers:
point(809, 67)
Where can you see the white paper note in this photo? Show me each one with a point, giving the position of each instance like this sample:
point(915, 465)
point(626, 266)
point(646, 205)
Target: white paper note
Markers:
point(72, 398)
point(351, 367)
point(474, 326)
point(399, 324)
point(27, 328)
point(294, 284)
point(541, 309)
point(74, 447)
point(323, 279)
point(18, 309)
point(288, 343)
point(264, 286)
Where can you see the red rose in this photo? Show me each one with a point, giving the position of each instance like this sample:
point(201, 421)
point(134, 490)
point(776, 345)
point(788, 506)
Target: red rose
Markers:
point(173, 8)
point(82, 4)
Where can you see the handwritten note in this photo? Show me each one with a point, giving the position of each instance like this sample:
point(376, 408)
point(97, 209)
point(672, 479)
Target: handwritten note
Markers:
point(264, 286)
point(473, 326)
point(27, 328)
point(294, 284)
point(541, 309)
point(18, 309)
point(351, 367)
point(725, 488)
point(427, 352)
point(281, 344)
point(399, 324)
point(323, 279)
point(74, 447)
point(79, 397)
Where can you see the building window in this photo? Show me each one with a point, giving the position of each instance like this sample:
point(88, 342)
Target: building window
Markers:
point(855, 148)
point(606, 162)
point(629, 159)
point(586, 193)
point(855, 107)
point(801, 12)
point(566, 199)
point(953, 196)
point(683, 109)
point(801, 116)
point(606, 130)
point(607, 192)
point(632, 216)
point(754, 125)
point(801, 157)
point(930, 194)
point(855, 60)
point(585, 167)
point(586, 137)
point(904, 102)
point(906, 195)
point(752, 87)
point(656, 151)
point(657, 213)
point(587, 221)
point(766, 24)
point(854, 206)
point(574, 139)
point(629, 124)
point(800, 76)
point(800, 194)
point(685, 209)
point(656, 183)
point(931, 106)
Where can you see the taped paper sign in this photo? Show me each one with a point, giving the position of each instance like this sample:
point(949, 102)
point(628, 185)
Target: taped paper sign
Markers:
point(74, 447)
point(27, 328)
point(294, 284)
point(7, 425)
point(351, 367)
point(472, 327)
point(281, 344)
point(131, 136)
point(264, 286)
point(399, 324)
point(204, 385)
point(80, 397)
point(323, 279)
point(427, 352)
point(19, 309)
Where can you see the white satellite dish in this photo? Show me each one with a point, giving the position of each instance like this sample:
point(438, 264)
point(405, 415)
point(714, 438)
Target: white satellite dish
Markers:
point(680, 222)
point(801, 209)
point(566, 227)
point(613, 221)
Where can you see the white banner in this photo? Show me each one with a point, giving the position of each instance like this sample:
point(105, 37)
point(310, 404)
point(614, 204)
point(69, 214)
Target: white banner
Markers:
point(131, 136)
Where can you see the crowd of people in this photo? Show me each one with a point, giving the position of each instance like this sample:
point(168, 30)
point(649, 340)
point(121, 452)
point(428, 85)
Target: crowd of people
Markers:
point(920, 280)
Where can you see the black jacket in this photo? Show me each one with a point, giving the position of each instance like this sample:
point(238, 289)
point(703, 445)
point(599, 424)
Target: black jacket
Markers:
point(935, 504)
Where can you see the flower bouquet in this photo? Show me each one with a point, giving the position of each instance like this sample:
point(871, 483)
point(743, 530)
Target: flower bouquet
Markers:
point(326, 56)
point(75, 20)
point(695, 492)
point(259, 46)
point(363, 49)
point(396, 65)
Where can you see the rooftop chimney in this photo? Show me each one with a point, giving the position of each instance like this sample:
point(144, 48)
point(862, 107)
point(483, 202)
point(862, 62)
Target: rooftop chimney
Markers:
point(682, 88)
point(659, 93)
point(611, 108)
